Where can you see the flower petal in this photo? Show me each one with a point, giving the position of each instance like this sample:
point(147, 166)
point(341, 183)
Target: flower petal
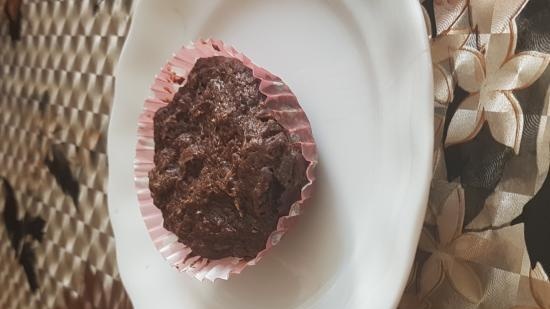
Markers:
point(519, 72)
point(481, 13)
point(466, 122)
point(538, 273)
point(431, 276)
point(451, 218)
point(429, 219)
point(443, 47)
point(447, 14)
point(427, 242)
point(505, 118)
point(490, 16)
point(464, 280)
point(443, 85)
point(470, 246)
point(468, 66)
point(411, 301)
point(500, 47)
point(540, 287)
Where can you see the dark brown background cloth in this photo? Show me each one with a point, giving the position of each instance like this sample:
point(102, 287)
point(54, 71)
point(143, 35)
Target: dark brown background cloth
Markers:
point(56, 89)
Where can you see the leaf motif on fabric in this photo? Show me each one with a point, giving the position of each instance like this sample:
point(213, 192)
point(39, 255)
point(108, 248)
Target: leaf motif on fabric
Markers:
point(451, 218)
point(481, 14)
point(427, 242)
point(431, 276)
point(464, 280)
point(466, 121)
point(429, 218)
point(443, 85)
point(522, 70)
point(470, 246)
point(499, 48)
point(469, 68)
point(505, 118)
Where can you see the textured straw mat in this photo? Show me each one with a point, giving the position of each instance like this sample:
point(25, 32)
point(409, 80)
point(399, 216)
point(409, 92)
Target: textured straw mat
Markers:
point(56, 89)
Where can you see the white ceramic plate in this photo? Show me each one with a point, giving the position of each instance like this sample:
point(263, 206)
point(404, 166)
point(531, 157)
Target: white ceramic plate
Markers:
point(361, 70)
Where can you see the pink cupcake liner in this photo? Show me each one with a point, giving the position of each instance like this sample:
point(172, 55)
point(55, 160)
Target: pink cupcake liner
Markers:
point(284, 108)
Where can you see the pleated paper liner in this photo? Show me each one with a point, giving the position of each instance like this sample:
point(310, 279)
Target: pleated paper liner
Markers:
point(280, 102)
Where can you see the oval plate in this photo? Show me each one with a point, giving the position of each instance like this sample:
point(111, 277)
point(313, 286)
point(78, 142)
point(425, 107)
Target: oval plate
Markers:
point(361, 71)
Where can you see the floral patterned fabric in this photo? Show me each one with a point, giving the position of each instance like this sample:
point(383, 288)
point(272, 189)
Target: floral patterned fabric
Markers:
point(486, 236)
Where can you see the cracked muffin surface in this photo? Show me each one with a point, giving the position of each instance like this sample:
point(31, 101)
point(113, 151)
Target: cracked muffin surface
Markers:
point(225, 170)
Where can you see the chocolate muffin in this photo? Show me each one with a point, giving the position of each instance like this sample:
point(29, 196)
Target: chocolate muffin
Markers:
point(225, 170)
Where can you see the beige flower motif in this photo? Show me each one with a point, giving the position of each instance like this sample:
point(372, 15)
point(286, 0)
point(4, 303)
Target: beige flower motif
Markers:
point(410, 298)
point(490, 78)
point(445, 44)
point(540, 289)
point(446, 13)
point(449, 253)
point(462, 21)
point(443, 84)
point(442, 48)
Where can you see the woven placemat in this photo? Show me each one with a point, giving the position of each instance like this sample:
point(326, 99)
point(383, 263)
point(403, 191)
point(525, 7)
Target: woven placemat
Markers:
point(56, 89)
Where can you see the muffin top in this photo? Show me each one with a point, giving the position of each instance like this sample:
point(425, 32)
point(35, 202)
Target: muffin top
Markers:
point(225, 170)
